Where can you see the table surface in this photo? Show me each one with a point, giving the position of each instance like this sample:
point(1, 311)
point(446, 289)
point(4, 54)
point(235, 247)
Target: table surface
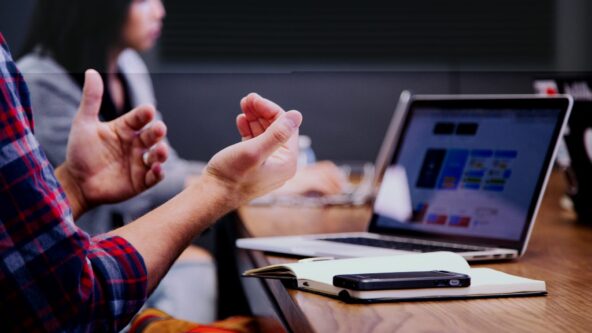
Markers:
point(560, 253)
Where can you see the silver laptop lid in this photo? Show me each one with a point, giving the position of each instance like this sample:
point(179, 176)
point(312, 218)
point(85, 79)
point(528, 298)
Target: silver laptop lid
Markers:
point(469, 169)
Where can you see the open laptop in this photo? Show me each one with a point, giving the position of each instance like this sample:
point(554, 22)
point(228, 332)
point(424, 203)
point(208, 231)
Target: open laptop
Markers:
point(463, 174)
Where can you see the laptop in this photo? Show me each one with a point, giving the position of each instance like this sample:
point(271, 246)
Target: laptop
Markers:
point(463, 173)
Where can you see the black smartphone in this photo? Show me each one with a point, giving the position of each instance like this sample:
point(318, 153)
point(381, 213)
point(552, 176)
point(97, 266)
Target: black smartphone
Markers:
point(402, 280)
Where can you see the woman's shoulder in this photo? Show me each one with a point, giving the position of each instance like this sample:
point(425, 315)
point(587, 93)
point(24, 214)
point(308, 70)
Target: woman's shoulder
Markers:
point(130, 61)
point(133, 67)
point(35, 62)
point(43, 71)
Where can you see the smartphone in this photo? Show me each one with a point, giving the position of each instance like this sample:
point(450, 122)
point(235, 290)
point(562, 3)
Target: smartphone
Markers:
point(402, 280)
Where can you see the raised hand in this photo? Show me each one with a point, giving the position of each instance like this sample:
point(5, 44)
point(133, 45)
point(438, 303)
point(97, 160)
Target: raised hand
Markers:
point(267, 156)
point(258, 114)
point(110, 161)
point(263, 161)
point(323, 178)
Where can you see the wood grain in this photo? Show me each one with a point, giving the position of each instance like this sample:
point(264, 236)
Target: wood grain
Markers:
point(560, 252)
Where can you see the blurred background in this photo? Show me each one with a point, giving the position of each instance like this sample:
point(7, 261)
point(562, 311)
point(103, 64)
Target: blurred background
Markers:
point(343, 63)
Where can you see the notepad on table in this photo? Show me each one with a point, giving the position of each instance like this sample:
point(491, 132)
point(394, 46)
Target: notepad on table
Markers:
point(317, 277)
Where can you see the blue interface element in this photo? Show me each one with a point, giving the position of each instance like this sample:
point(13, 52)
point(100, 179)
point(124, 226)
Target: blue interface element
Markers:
point(468, 172)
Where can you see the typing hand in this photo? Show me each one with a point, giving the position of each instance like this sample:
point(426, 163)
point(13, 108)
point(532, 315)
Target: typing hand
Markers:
point(322, 178)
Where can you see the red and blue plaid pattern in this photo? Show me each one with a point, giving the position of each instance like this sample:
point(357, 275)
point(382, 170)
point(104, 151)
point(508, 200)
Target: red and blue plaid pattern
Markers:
point(53, 276)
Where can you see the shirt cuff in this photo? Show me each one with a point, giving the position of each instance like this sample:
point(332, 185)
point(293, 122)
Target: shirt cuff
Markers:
point(123, 286)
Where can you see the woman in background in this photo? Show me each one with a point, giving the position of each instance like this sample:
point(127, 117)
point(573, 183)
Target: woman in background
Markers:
point(67, 37)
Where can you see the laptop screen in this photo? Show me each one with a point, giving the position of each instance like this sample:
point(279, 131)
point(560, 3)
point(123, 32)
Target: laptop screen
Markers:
point(470, 170)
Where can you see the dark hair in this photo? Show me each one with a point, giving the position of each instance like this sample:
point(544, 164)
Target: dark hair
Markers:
point(76, 33)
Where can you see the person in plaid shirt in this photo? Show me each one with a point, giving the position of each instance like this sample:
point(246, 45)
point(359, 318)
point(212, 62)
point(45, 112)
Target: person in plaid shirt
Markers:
point(53, 276)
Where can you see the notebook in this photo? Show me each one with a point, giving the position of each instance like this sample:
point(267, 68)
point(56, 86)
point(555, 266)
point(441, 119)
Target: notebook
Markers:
point(317, 277)
point(464, 174)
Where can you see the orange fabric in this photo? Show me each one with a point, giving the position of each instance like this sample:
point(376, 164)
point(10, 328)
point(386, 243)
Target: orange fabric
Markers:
point(156, 321)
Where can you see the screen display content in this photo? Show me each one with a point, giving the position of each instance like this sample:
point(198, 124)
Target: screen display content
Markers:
point(467, 172)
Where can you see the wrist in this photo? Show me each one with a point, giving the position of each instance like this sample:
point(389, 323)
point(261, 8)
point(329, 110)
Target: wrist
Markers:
point(74, 193)
point(225, 192)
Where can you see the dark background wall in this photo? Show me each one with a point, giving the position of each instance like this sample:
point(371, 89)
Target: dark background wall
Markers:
point(346, 113)
point(304, 57)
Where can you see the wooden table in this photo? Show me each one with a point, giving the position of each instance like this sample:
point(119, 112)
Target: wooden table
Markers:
point(560, 252)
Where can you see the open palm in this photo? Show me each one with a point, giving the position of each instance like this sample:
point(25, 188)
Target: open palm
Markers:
point(113, 161)
point(266, 157)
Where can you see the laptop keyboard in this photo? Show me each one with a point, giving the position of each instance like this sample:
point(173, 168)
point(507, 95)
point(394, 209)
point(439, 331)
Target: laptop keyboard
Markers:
point(398, 245)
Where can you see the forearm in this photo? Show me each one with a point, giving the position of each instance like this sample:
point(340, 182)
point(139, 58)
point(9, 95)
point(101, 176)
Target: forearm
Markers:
point(161, 235)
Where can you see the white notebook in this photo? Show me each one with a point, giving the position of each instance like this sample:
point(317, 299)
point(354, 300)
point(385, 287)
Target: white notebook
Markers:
point(317, 276)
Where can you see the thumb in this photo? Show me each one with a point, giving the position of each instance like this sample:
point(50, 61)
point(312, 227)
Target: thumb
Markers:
point(92, 94)
point(278, 134)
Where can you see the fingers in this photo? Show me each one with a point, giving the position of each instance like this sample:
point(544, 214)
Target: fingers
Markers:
point(326, 182)
point(278, 134)
point(256, 128)
point(153, 134)
point(323, 178)
point(332, 176)
point(133, 124)
point(156, 154)
point(243, 127)
point(137, 118)
point(330, 184)
point(154, 159)
point(320, 189)
point(259, 112)
point(255, 107)
point(154, 175)
point(92, 94)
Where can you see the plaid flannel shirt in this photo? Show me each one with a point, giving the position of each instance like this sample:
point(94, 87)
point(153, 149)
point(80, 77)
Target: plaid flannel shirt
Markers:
point(53, 276)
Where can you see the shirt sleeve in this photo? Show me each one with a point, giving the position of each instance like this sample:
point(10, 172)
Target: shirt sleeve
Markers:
point(53, 276)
